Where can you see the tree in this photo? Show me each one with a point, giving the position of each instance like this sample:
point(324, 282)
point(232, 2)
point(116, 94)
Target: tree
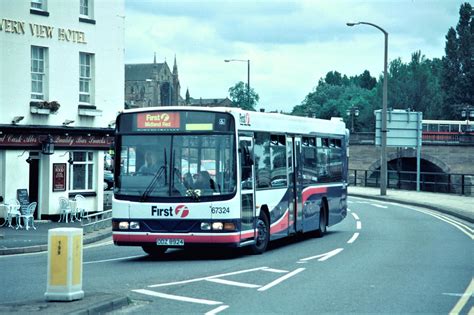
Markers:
point(457, 72)
point(333, 100)
point(240, 97)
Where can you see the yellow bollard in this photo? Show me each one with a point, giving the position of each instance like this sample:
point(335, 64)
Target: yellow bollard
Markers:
point(64, 265)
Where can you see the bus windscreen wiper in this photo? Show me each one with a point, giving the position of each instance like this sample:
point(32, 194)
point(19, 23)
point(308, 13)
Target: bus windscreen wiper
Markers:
point(155, 179)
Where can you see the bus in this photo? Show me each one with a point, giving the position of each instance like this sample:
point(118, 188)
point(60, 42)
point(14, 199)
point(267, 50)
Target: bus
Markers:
point(226, 177)
point(445, 130)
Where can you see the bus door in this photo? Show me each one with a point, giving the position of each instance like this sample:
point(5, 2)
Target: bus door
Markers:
point(247, 186)
point(297, 186)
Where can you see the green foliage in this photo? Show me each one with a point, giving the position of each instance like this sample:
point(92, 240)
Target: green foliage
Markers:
point(457, 72)
point(333, 100)
point(240, 97)
point(439, 88)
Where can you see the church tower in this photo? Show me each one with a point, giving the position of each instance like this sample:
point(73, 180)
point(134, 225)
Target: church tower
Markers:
point(176, 86)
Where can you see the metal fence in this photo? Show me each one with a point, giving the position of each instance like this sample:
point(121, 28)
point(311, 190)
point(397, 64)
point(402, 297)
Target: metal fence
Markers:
point(462, 184)
point(96, 221)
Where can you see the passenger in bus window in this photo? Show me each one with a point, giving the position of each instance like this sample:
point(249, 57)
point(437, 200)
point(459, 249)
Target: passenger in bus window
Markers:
point(188, 181)
point(151, 164)
point(205, 183)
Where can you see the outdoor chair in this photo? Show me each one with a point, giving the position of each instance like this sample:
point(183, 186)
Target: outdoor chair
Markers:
point(80, 209)
point(13, 211)
point(27, 215)
point(64, 210)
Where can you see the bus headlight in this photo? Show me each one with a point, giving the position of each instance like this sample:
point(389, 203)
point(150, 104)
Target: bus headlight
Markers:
point(205, 226)
point(134, 225)
point(218, 226)
point(123, 225)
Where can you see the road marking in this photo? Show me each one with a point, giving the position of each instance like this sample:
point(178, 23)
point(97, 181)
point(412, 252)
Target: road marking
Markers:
point(234, 283)
point(281, 279)
point(355, 216)
point(325, 256)
point(99, 244)
point(217, 310)
point(113, 259)
point(275, 270)
point(378, 206)
point(460, 226)
point(358, 225)
point(205, 278)
point(177, 297)
point(463, 300)
point(353, 238)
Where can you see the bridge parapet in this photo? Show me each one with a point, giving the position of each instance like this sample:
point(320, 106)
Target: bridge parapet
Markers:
point(428, 138)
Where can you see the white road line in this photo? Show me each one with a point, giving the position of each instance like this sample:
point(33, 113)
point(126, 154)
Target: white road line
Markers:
point(358, 225)
point(205, 278)
point(275, 270)
point(353, 238)
point(325, 256)
point(281, 279)
point(99, 244)
point(113, 259)
point(234, 283)
point(217, 310)
point(378, 206)
point(460, 226)
point(177, 297)
point(464, 299)
point(355, 216)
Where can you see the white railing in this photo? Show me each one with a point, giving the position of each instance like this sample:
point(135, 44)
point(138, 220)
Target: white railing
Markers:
point(96, 221)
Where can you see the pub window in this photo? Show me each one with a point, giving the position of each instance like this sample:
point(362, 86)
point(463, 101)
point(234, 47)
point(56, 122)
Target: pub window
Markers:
point(86, 82)
point(38, 72)
point(81, 170)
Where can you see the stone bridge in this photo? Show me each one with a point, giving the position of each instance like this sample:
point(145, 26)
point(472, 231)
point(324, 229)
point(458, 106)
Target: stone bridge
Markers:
point(449, 156)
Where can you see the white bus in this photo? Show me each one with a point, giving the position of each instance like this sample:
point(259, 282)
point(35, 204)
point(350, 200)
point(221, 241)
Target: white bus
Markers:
point(187, 176)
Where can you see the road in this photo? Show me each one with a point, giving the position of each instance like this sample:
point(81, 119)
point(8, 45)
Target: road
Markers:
point(383, 258)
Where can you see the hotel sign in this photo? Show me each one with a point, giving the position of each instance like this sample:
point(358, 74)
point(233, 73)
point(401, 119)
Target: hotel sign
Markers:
point(42, 31)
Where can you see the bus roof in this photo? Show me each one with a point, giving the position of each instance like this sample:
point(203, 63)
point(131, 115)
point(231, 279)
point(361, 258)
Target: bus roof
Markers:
point(264, 121)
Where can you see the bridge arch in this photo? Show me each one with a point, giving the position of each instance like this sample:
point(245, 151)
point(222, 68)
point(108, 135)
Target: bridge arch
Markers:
point(402, 171)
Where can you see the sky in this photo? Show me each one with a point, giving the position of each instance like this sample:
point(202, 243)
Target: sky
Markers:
point(290, 44)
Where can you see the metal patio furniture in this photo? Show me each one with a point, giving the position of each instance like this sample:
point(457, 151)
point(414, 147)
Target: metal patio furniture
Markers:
point(64, 210)
point(27, 215)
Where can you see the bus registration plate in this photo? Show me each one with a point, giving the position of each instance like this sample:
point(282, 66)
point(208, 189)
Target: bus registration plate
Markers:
point(170, 242)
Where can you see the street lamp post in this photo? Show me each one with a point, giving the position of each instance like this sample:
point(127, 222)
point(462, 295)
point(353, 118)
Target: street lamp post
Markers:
point(248, 76)
point(353, 111)
point(467, 112)
point(383, 167)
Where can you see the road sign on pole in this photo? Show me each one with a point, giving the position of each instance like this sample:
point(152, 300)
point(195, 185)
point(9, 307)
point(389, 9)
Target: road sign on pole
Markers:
point(403, 130)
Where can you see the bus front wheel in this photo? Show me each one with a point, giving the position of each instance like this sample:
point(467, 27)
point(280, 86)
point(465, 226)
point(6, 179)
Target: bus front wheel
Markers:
point(263, 235)
point(154, 250)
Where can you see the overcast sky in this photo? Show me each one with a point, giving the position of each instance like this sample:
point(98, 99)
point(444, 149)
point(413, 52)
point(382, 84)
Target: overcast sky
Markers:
point(290, 44)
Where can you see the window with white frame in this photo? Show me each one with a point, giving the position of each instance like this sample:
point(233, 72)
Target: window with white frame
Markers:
point(38, 72)
point(38, 4)
point(81, 171)
point(85, 9)
point(85, 77)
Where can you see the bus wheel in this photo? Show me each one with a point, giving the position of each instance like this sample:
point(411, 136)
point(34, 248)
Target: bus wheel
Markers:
point(153, 250)
point(322, 222)
point(263, 235)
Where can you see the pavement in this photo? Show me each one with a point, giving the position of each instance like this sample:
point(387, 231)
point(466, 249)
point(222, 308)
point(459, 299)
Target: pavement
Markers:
point(20, 241)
